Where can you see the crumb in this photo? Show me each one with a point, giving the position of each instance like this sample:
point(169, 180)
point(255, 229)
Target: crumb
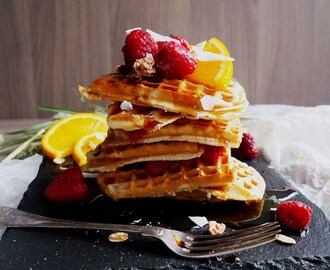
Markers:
point(216, 228)
point(144, 67)
point(118, 237)
point(285, 239)
point(58, 161)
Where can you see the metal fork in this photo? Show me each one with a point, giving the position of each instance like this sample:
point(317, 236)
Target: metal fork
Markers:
point(183, 244)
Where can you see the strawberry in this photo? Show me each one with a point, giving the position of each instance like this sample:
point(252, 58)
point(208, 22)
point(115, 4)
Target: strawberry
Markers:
point(157, 168)
point(294, 215)
point(173, 61)
point(212, 154)
point(247, 148)
point(67, 186)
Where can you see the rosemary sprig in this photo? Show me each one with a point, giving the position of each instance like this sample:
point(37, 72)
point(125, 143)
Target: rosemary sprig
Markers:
point(57, 110)
point(24, 145)
point(14, 138)
point(22, 139)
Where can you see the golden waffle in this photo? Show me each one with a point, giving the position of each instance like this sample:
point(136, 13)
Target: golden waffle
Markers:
point(248, 186)
point(139, 118)
point(107, 158)
point(178, 96)
point(182, 176)
point(227, 134)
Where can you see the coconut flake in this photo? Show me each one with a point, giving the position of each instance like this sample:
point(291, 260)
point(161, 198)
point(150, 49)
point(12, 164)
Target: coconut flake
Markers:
point(157, 37)
point(209, 56)
point(201, 55)
point(100, 136)
point(126, 106)
point(199, 221)
point(209, 102)
point(128, 31)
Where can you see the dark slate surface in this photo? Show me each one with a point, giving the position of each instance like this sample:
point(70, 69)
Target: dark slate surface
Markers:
point(87, 249)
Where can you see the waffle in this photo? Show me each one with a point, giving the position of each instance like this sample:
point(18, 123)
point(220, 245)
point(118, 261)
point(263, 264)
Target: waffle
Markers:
point(139, 117)
point(178, 96)
point(106, 158)
point(227, 134)
point(248, 186)
point(182, 176)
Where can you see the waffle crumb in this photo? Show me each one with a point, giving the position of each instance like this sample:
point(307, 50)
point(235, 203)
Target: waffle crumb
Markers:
point(216, 228)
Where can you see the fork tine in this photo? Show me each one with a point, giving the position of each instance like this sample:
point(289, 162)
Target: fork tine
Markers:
point(234, 247)
point(233, 237)
point(249, 230)
point(234, 242)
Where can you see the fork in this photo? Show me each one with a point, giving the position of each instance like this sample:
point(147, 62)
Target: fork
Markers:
point(183, 244)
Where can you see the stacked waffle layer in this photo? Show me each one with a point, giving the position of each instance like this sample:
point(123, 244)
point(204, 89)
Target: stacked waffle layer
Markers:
point(171, 138)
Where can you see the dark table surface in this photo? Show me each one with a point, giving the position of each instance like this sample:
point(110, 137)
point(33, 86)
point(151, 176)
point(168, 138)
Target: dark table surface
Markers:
point(88, 249)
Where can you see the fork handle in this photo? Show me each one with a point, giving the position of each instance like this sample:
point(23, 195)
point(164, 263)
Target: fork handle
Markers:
point(12, 217)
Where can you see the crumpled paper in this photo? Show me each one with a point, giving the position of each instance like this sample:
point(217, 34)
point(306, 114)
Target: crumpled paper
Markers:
point(15, 176)
point(296, 142)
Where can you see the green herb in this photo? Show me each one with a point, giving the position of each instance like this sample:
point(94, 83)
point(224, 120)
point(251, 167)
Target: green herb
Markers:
point(24, 145)
point(26, 142)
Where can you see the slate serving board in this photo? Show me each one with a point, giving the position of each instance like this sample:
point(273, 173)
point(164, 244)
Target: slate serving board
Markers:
point(87, 249)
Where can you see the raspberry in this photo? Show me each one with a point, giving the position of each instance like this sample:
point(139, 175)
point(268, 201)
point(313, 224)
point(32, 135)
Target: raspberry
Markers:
point(294, 215)
point(174, 61)
point(67, 186)
point(137, 44)
point(160, 45)
point(247, 148)
point(212, 154)
point(183, 42)
point(157, 168)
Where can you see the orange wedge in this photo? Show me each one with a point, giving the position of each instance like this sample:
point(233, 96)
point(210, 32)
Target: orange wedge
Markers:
point(86, 144)
point(60, 138)
point(214, 73)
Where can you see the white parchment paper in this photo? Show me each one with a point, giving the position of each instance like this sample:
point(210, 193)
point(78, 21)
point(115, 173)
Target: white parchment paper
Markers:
point(296, 142)
point(15, 176)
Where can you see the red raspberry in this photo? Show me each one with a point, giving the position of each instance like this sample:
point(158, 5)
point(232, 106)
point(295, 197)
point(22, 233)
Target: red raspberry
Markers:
point(137, 44)
point(183, 42)
point(247, 148)
point(174, 61)
point(67, 186)
point(212, 154)
point(157, 168)
point(294, 215)
point(160, 45)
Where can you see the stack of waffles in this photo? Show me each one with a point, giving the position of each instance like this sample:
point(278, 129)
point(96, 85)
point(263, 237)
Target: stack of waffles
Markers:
point(171, 138)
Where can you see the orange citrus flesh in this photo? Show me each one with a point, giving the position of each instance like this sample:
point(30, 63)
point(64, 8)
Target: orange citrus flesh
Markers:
point(86, 144)
point(60, 138)
point(214, 73)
